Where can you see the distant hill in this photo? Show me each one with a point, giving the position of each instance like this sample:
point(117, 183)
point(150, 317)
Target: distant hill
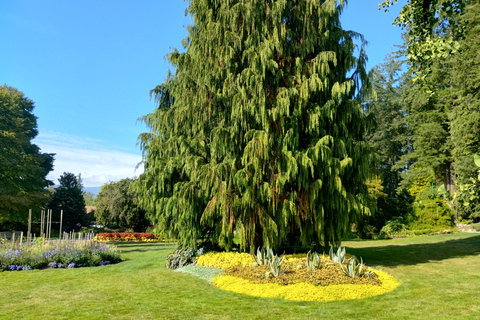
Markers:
point(93, 190)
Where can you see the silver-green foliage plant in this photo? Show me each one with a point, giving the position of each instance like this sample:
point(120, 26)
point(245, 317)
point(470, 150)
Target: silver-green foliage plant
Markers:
point(339, 256)
point(354, 268)
point(314, 261)
point(276, 266)
point(263, 256)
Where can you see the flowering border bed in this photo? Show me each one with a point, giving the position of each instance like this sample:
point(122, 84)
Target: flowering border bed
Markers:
point(126, 236)
point(302, 291)
point(58, 255)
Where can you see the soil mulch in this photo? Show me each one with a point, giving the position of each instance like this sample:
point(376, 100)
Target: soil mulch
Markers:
point(296, 272)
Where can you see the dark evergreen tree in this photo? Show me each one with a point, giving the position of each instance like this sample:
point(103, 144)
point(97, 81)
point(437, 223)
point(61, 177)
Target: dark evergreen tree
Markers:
point(68, 196)
point(260, 130)
point(23, 168)
point(443, 114)
point(465, 115)
point(389, 139)
point(390, 142)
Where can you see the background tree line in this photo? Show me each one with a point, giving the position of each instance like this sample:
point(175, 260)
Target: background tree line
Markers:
point(428, 116)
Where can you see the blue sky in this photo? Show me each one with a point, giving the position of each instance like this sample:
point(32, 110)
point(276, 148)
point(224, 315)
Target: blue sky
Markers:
point(89, 65)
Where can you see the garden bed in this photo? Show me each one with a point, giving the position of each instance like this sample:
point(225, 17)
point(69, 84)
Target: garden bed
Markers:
point(328, 281)
point(58, 254)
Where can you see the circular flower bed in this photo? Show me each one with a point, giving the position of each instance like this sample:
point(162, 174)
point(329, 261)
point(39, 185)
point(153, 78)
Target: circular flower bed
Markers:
point(327, 282)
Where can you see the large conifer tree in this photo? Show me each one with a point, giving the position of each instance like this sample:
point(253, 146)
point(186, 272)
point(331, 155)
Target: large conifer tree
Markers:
point(260, 130)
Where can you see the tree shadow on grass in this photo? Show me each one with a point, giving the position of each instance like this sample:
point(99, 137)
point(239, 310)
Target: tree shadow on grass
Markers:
point(130, 247)
point(412, 254)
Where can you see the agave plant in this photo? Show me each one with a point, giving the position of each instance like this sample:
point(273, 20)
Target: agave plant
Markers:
point(263, 256)
point(313, 260)
point(339, 256)
point(276, 266)
point(355, 268)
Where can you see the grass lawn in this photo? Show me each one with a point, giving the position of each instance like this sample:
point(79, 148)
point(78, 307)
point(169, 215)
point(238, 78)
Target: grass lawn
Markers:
point(439, 275)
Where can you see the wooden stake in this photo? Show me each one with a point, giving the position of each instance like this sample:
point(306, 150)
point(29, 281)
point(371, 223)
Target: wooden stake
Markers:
point(29, 235)
point(50, 225)
point(61, 221)
point(42, 218)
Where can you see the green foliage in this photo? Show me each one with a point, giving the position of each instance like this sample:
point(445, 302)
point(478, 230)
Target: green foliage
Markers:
point(434, 29)
point(314, 261)
point(182, 257)
point(260, 130)
point(23, 168)
point(89, 198)
point(394, 228)
point(429, 213)
point(467, 195)
point(117, 206)
point(339, 256)
point(68, 196)
point(390, 134)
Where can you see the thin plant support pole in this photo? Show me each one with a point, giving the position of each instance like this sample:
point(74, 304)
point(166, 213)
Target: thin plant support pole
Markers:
point(61, 221)
point(50, 225)
point(42, 217)
point(21, 239)
point(13, 240)
point(46, 224)
point(29, 235)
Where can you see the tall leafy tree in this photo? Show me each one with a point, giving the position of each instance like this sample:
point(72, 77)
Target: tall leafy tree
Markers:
point(260, 130)
point(433, 31)
point(23, 168)
point(68, 196)
point(117, 205)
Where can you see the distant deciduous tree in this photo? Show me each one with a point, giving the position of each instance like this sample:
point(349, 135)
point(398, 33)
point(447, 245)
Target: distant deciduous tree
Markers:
point(433, 30)
point(117, 205)
point(23, 168)
point(89, 198)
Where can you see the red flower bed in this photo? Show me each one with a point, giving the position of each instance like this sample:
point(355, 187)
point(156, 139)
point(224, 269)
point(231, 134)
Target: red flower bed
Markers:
point(126, 236)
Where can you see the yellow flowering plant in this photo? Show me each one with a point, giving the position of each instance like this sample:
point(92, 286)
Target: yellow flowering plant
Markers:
point(298, 282)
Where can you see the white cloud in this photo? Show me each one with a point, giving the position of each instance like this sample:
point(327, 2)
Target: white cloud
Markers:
point(97, 162)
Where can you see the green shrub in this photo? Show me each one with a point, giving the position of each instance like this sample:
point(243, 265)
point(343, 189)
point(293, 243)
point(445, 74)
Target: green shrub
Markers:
point(394, 228)
point(430, 213)
point(182, 257)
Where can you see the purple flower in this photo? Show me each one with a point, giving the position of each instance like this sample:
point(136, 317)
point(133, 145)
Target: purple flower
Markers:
point(12, 267)
point(71, 265)
point(52, 264)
